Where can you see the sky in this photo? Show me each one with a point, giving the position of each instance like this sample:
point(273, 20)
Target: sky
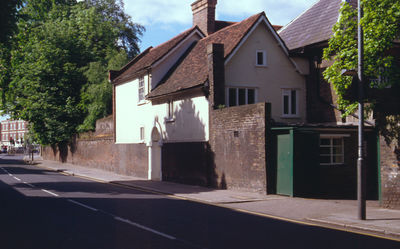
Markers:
point(164, 19)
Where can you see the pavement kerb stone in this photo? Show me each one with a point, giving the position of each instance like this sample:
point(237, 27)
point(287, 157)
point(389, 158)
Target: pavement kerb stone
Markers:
point(68, 172)
point(393, 234)
point(140, 188)
point(331, 223)
point(354, 227)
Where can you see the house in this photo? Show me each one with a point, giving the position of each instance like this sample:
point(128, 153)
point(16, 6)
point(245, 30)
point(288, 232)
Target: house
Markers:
point(307, 36)
point(13, 132)
point(237, 105)
point(169, 99)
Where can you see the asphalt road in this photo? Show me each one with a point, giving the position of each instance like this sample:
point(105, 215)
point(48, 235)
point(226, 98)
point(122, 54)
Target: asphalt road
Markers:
point(46, 209)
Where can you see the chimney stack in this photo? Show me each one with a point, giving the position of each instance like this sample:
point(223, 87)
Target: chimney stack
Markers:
point(204, 15)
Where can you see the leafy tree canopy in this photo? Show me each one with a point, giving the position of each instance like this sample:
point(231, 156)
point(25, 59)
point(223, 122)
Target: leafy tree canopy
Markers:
point(59, 62)
point(381, 25)
point(8, 18)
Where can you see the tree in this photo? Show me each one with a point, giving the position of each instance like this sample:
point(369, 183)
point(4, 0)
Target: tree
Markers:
point(97, 94)
point(381, 26)
point(61, 53)
point(8, 19)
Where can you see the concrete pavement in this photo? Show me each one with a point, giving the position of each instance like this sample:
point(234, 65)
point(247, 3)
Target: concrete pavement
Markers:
point(338, 214)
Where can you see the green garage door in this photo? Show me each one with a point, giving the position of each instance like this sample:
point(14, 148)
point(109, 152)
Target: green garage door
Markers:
point(285, 164)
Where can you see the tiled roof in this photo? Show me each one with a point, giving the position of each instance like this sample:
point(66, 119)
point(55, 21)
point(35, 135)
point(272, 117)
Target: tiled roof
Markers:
point(314, 25)
point(148, 57)
point(222, 24)
point(192, 71)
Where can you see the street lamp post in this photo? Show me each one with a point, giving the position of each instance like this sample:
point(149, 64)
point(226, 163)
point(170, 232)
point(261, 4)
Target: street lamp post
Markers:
point(361, 181)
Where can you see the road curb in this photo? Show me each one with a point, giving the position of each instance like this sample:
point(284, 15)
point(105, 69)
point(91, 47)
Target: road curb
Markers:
point(355, 227)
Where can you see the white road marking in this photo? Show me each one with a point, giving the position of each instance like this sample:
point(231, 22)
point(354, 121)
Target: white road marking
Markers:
point(144, 228)
point(49, 192)
point(83, 205)
point(10, 174)
point(16, 178)
point(30, 185)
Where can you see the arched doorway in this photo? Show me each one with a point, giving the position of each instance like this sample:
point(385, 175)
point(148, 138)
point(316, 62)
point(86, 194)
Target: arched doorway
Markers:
point(154, 172)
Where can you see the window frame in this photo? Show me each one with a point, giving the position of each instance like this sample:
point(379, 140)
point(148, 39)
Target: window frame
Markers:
point(290, 113)
point(170, 112)
point(141, 86)
point(331, 146)
point(141, 134)
point(237, 101)
point(264, 58)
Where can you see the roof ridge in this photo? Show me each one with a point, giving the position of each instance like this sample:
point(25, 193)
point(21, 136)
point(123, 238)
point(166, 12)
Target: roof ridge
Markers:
point(188, 31)
point(184, 35)
point(152, 55)
point(235, 24)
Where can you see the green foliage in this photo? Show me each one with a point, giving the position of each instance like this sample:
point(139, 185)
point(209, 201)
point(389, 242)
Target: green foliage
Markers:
point(381, 25)
point(59, 62)
point(8, 18)
point(97, 95)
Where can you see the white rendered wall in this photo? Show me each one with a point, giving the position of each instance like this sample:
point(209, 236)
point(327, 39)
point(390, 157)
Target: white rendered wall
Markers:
point(190, 122)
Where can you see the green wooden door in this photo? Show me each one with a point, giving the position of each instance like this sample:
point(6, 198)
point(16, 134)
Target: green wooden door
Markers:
point(284, 185)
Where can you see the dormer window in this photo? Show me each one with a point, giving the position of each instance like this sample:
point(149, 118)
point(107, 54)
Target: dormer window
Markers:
point(141, 89)
point(261, 58)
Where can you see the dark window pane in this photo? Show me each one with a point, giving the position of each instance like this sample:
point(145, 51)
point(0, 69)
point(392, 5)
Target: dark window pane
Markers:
point(285, 104)
point(251, 94)
point(232, 96)
point(293, 102)
point(325, 141)
point(324, 151)
point(337, 150)
point(337, 141)
point(260, 58)
point(338, 159)
point(242, 96)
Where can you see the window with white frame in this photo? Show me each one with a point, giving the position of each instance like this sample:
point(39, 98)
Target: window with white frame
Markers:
point(261, 58)
point(290, 103)
point(170, 111)
point(240, 96)
point(331, 150)
point(142, 133)
point(141, 89)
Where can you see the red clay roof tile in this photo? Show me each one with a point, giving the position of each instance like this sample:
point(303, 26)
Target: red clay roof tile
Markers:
point(192, 71)
point(148, 57)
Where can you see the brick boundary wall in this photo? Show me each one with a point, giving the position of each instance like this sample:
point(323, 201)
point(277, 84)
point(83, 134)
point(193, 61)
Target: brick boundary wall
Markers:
point(238, 144)
point(98, 150)
point(390, 174)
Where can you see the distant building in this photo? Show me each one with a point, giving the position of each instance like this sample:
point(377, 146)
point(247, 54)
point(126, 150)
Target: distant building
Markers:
point(13, 132)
